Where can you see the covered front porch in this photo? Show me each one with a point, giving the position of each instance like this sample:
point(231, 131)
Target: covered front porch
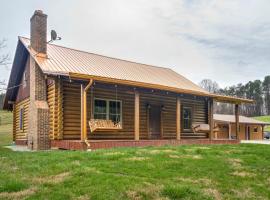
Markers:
point(133, 116)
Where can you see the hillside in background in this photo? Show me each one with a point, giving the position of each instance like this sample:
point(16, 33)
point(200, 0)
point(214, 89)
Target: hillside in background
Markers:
point(264, 119)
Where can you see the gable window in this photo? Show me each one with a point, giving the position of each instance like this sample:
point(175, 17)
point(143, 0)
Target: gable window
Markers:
point(21, 118)
point(187, 118)
point(108, 110)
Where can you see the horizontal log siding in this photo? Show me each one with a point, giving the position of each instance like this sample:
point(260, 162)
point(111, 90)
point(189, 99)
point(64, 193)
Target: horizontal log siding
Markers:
point(199, 115)
point(21, 134)
point(72, 111)
point(55, 97)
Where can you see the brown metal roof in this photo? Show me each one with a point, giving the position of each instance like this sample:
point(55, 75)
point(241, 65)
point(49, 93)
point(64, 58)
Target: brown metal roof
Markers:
point(242, 119)
point(66, 60)
point(79, 64)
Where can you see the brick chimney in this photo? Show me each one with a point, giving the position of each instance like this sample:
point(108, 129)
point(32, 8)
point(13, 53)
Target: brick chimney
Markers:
point(38, 117)
point(38, 32)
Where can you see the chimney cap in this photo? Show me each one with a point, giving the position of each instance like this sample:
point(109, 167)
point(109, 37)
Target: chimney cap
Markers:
point(39, 12)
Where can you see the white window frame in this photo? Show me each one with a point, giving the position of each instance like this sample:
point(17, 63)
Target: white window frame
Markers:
point(108, 108)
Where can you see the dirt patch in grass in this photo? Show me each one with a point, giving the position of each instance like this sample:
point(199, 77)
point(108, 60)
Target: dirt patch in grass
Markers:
point(135, 158)
point(18, 195)
point(113, 153)
point(213, 193)
point(149, 191)
point(195, 157)
point(52, 179)
point(84, 197)
point(233, 151)
point(243, 174)
point(156, 151)
point(245, 194)
point(201, 181)
point(235, 162)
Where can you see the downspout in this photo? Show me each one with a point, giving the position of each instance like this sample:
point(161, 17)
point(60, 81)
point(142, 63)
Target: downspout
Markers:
point(84, 123)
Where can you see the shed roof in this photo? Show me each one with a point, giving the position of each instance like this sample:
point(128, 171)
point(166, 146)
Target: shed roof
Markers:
point(242, 119)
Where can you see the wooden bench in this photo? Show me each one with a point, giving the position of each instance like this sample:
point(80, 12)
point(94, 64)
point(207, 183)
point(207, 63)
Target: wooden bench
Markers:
point(203, 128)
point(103, 125)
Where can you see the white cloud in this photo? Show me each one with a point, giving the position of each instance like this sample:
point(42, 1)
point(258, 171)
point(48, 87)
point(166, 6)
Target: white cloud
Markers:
point(227, 41)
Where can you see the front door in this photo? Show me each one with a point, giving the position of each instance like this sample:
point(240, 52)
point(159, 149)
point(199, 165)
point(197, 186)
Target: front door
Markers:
point(154, 122)
point(247, 133)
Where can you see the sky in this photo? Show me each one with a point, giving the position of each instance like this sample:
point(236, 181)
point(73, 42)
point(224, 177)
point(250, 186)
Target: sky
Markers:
point(227, 41)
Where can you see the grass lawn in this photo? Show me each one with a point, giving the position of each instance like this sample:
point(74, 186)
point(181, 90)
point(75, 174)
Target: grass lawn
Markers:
point(183, 172)
point(264, 119)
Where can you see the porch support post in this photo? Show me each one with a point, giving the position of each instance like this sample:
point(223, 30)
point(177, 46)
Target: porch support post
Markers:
point(230, 131)
point(84, 110)
point(137, 116)
point(178, 118)
point(211, 118)
point(237, 121)
point(262, 132)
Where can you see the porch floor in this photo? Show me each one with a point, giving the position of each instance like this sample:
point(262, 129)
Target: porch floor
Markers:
point(105, 144)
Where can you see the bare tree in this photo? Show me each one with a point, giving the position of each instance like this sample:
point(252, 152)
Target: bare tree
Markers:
point(4, 58)
point(4, 62)
point(209, 85)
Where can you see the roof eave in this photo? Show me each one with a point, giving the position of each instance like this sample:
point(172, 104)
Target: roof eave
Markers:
point(160, 87)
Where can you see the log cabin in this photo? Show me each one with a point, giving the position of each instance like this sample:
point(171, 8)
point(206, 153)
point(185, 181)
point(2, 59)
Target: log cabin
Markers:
point(71, 99)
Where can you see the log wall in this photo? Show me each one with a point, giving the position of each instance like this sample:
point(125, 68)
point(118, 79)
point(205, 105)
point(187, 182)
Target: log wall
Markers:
point(20, 134)
point(55, 98)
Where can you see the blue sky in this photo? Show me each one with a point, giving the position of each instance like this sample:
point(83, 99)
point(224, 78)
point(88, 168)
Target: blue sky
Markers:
point(226, 41)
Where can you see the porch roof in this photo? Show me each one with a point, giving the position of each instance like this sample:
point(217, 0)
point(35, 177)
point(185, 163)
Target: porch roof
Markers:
point(79, 64)
point(242, 119)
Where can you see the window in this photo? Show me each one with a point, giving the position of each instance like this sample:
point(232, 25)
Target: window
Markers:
point(108, 109)
point(255, 130)
point(187, 118)
point(21, 118)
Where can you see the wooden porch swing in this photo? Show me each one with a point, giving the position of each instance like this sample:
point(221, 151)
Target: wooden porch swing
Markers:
point(104, 124)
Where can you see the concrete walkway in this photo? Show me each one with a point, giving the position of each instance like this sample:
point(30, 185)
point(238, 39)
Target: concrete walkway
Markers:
point(17, 148)
point(255, 142)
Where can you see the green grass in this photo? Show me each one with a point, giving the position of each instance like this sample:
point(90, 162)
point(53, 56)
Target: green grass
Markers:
point(183, 172)
point(264, 119)
point(5, 127)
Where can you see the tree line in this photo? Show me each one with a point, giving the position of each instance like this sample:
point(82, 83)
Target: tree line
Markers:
point(257, 90)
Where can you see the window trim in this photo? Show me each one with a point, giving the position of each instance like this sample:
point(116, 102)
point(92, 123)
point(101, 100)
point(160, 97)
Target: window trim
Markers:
point(191, 118)
point(108, 108)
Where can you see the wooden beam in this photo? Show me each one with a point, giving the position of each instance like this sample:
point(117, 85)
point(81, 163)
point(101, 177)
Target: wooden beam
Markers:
point(160, 87)
point(230, 131)
point(137, 116)
point(237, 121)
point(211, 118)
point(178, 118)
